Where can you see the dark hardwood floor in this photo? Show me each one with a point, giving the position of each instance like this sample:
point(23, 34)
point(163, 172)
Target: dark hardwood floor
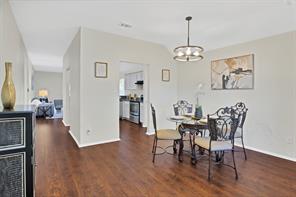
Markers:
point(125, 168)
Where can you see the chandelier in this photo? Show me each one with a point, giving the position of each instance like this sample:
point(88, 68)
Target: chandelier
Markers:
point(188, 53)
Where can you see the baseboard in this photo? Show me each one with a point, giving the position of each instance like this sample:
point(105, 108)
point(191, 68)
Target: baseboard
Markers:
point(142, 125)
point(267, 152)
point(150, 133)
point(97, 143)
point(66, 125)
point(74, 138)
point(93, 143)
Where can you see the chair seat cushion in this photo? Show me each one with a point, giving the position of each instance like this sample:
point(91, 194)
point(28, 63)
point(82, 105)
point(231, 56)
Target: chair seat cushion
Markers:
point(204, 142)
point(168, 134)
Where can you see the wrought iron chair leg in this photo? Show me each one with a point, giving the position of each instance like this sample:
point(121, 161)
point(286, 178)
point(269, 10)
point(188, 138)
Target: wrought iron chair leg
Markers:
point(209, 170)
point(217, 156)
point(174, 147)
point(181, 145)
point(193, 157)
point(244, 147)
point(153, 144)
point(236, 175)
point(154, 151)
point(190, 140)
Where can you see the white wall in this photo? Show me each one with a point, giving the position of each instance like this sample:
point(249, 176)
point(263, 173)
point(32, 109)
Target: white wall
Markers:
point(270, 124)
point(99, 104)
point(71, 87)
point(12, 49)
point(28, 84)
point(52, 81)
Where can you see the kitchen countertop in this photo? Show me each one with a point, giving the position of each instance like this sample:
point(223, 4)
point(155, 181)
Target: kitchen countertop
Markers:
point(121, 100)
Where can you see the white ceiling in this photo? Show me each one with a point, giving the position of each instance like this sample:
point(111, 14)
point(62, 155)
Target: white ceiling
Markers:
point(48, 27)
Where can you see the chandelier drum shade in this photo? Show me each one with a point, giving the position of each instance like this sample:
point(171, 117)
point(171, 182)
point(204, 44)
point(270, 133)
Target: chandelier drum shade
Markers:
point(189, 52)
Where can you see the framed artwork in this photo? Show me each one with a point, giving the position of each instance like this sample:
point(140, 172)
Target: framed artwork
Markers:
point(165, 75)
point(101, 70)
point(233, 73)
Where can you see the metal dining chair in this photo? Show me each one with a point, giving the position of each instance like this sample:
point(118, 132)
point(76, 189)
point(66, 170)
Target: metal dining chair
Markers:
point(240, 108)
point(222, 126)
point(182, 107)
point(165, 134)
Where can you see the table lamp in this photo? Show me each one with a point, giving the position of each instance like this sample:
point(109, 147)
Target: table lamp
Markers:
point(43, 93)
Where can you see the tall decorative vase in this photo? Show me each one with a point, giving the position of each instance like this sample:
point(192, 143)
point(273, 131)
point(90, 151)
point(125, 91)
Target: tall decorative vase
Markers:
point(8, 89)
point(198, 112)
point(198, 109)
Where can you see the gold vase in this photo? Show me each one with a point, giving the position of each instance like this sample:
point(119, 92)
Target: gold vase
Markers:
point(8, 89)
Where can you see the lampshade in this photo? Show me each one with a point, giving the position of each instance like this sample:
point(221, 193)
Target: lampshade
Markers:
point(188, 53)
point(43, 93)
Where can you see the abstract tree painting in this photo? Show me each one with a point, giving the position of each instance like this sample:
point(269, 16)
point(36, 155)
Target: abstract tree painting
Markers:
point(233, 73)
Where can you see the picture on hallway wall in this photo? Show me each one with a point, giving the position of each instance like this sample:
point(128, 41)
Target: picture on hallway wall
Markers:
point(233, 73)
point(165, 75)
point(101, 70)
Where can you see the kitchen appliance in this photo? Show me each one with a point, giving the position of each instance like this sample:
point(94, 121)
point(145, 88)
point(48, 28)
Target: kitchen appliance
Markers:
point(139, 82)
point(135, 112)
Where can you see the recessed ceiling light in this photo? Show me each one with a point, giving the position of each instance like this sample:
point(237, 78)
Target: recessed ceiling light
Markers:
point(125, 25)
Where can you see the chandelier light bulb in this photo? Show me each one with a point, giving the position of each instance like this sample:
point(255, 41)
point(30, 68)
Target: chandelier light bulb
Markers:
point(180, 53)
point(196, 53)
point(188, 51)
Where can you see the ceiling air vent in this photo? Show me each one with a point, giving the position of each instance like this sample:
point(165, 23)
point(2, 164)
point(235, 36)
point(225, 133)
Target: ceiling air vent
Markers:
point(125, 25)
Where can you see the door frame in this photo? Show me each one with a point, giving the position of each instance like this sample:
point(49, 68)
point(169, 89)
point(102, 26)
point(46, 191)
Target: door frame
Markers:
point(146, 91)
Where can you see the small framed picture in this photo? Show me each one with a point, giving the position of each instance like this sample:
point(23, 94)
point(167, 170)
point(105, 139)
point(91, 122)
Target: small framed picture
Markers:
point(101, 70)
point(165, 76)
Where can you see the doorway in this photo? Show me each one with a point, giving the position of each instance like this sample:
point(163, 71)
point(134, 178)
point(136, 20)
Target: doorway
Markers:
point(134, 93)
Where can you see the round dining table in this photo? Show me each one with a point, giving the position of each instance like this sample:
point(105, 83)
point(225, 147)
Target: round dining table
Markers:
point(189, 125)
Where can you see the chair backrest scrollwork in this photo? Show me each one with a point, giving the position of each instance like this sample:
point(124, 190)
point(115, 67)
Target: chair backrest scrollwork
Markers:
point(223, 124)
point(182, 107)
point(240, 108)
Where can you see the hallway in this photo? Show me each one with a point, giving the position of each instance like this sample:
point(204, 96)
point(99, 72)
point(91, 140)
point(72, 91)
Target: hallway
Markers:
point(125, 169)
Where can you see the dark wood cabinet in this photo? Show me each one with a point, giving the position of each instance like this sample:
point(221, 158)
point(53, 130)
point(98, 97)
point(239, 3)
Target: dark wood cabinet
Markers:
point(17, 160)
